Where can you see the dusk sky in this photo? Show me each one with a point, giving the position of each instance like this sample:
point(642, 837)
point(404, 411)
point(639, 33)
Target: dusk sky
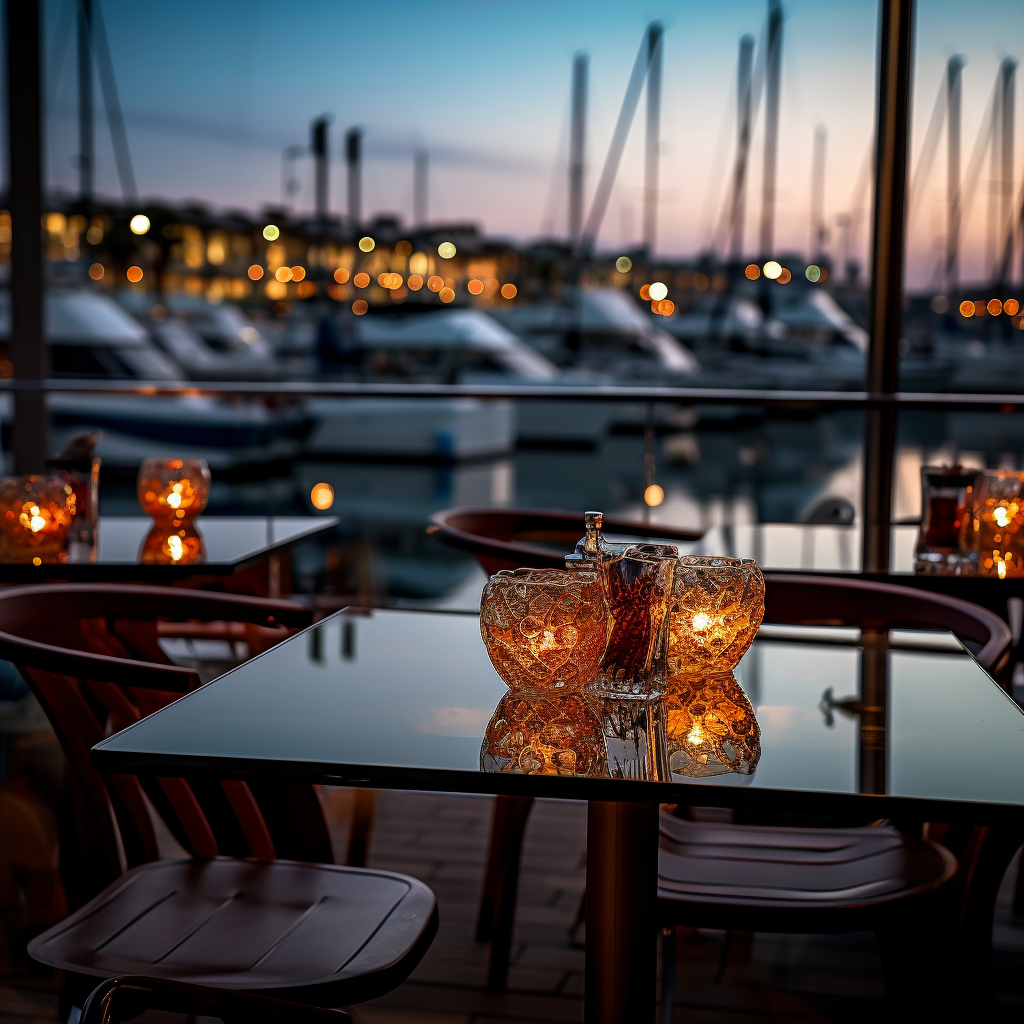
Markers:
point(213, 92)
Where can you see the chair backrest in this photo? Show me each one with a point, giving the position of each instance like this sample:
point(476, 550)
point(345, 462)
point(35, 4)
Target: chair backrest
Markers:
point(91, 655)
point(512, 538)
point(830, 600)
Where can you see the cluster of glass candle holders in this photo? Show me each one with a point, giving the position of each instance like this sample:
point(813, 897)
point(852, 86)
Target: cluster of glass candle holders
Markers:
point(173, 492)
point(622, 664)
point(972, 523)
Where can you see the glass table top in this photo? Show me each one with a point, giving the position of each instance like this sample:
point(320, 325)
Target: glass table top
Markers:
point(221, 545)
point(816, 718)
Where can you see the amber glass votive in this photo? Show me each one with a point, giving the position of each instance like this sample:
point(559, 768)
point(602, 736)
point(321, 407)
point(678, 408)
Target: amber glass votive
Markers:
point(173, 490)
point(36, 513)
point(717, 608)
point(998, 524)
point(711, 726)
point(172, 544)
point(544, 629)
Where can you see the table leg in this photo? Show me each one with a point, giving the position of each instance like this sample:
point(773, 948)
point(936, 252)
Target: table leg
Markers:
point(622, 940)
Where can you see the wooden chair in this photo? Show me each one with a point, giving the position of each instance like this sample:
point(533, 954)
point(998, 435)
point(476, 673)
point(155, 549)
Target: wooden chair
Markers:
point(903, 872)
point(511, 538)
point(299, 929)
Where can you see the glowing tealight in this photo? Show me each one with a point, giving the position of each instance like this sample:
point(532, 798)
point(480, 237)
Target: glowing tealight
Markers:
point(658, 291)
point(772, 270)
point(446, 250)
point(271, 232)
point(139, 224)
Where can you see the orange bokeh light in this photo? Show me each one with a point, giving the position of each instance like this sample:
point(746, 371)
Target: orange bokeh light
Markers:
point(508, 291)
point(135, 274)
point(435, 283)
point(360, 306)
point(1011, 307)
point(446, 294)
point(384, 280)
point(307, 289)
point(338, 292)
point(298, 273)
point(967, 308)
point(284, 274)
point(979, 307)
point(341, 275)
point(475, 286)
point(322, 496)
point(96, 271)
point(361, 280)
point(255, 272)
point(645, 293)
point(415, 282)
point(753, 272)
point(785, 277)
point(995, 307)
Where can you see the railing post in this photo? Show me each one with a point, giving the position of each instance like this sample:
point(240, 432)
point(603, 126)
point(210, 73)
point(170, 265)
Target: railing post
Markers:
point(28, 349)
point(895, 59)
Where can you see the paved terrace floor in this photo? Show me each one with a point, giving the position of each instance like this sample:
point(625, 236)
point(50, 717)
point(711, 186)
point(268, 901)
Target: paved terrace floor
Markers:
point(442, 840)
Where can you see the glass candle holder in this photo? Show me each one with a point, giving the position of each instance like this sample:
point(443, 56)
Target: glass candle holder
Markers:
point(173, 544)
point(711, 726)
point(945, 543)
point(717, 608)
point(36, 513)
point(544, 629)
point(637, 587)
point(996, 524)
point(173, 490)
point(544, 734)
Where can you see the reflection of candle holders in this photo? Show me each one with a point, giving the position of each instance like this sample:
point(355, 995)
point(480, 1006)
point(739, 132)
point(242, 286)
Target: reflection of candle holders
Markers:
point(996, 524)
point(544, 734)
point(173, 490)
point(544, 629)
point(637, 586)
point(717, 608)
point(172, 544)
point(36, 513)
point(634, 739)
point(946, 543)
point(711, 726)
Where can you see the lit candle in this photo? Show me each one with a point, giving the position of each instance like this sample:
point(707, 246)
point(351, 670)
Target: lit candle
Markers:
point(35, 516)
point(173, 490)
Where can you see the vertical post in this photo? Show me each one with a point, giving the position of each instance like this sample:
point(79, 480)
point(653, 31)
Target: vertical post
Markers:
point(743, 121)
point(577, 146)
point(953, 69)
point(895, 58)
point(818, 193)
point(773, 84)
point(318, 143)
point(25, 150)
point(654, 48)
point(86, 136)
point(1008, 75)
point(353, 160)
point(622, 888)
point(419, 188)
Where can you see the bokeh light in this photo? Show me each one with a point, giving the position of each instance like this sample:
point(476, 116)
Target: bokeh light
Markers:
point(645, 292)
point(994, 306)
point(366, 243)
point(360, 306)
point(623, 264)
point(812, 273)
point(435, 283)
point(139, 224)
point(255, 272)
point(475, 286)
point(508, 291)
point(322, 496)
point(271, 232)
point(403, 248)
point(341, 275)
point(446, 294)
point(753, 272)
point(361, 280)
point(654, 495)
point(658, 291)
point(772, 270)
point(446, 250)
point(96, 271)
point(940, 304)
point(1011, 307)
point(967, 308)
point(298, 273)
point(284, 274)
point(135, 274)
point(785, 277)
point(415, 282)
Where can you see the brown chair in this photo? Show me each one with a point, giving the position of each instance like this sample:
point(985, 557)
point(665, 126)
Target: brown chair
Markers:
point(903, 873)
point(298, 929)
point(512, 538)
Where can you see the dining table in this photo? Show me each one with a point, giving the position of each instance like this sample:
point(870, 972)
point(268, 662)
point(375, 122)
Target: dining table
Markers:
point(903, 725)
point(115, 553)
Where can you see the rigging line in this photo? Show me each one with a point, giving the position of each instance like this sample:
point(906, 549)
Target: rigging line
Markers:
point(611, 164)
point(717, 177)
point(926, 158)
point(561, 163)
point(981, 143)
point(115, 119)
point(58, 49)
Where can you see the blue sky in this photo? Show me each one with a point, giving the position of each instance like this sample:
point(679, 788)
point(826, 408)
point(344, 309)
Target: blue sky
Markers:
point(213, 91)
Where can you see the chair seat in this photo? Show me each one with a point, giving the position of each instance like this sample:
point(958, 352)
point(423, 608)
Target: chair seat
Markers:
point(791, 879)
point(315, 933)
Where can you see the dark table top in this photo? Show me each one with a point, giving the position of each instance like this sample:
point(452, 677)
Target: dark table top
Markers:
point(907, 725)
point(230, 543)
